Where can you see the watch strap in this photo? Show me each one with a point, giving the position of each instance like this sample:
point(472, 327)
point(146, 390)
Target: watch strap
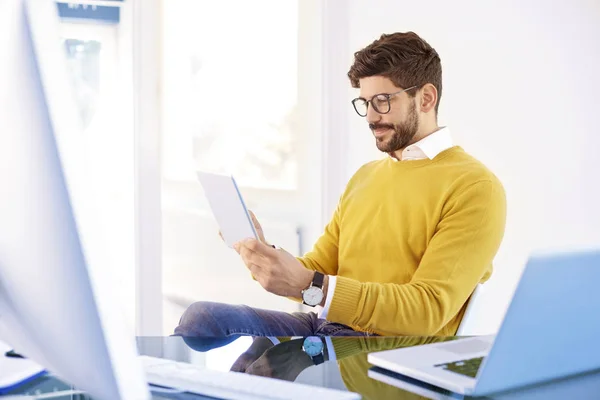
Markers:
point(318, 359)
point(318, 279)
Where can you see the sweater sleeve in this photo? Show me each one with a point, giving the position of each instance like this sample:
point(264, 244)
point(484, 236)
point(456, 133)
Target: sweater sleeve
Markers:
point(460, 251)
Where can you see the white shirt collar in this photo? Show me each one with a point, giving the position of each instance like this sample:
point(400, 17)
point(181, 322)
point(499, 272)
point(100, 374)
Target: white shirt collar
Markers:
point(428, 147)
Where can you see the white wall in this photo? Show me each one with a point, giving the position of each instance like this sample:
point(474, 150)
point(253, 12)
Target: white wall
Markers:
point(520, 92)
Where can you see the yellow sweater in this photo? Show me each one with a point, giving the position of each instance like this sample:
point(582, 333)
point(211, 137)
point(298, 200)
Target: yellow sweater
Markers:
point(409, 242)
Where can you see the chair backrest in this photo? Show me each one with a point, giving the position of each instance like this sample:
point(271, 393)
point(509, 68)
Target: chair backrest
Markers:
point(466, 327)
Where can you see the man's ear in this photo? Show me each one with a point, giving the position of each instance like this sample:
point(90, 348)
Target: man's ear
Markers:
point(429, 96)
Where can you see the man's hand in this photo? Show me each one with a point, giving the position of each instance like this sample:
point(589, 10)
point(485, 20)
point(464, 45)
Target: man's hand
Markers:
point(255, 351)
point(275, 269)
point(259, 230)
point(284, 361)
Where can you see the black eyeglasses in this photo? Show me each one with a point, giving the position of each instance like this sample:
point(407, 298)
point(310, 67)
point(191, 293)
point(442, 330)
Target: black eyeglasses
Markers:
point(380, 103)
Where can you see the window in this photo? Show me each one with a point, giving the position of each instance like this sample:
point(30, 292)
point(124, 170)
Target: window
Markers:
point(230, 90)
point(237, 98)
point(96, 40)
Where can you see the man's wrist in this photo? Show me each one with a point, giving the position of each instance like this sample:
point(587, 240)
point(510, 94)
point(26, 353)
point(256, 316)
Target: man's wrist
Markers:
point(306, 281)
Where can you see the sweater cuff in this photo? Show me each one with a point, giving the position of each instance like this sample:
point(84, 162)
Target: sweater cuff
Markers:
point(345, 301)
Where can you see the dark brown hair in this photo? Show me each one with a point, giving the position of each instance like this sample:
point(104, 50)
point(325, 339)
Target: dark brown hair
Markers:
point(404, 58)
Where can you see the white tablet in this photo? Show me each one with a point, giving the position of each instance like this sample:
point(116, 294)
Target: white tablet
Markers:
point(228, 207)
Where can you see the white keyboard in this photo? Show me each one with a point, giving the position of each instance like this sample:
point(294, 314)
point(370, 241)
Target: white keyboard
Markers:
point(231, 385)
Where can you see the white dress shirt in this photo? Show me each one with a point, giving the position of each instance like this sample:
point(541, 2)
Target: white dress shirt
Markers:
point(428, 147)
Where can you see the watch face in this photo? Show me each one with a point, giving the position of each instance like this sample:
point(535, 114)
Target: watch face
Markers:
point(313, 346)
point(313, 296)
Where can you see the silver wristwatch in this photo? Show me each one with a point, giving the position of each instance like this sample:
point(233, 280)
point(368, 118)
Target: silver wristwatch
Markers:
point(313, 295)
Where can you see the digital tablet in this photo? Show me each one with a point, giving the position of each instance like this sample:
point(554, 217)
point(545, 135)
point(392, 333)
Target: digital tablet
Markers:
point(228, 207)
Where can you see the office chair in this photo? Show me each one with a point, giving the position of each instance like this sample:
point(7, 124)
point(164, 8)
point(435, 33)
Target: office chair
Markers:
point(466, 327)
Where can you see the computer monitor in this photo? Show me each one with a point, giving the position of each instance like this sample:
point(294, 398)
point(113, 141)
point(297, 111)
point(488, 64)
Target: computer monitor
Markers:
point(56, 303)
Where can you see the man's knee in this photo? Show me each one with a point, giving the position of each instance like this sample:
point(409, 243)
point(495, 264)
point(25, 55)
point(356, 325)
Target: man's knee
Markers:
point(199, 319)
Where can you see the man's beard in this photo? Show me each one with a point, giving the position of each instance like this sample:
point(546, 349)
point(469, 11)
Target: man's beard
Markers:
point(403, 132)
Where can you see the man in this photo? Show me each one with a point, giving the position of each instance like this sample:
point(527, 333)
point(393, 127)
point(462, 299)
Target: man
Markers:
point(412, 236)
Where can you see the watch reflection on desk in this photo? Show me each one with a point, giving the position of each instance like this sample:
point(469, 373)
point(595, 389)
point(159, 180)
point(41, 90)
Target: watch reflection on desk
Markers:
point(286, 358)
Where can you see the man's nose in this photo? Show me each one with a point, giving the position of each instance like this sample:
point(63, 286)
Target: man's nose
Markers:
point(372, 115)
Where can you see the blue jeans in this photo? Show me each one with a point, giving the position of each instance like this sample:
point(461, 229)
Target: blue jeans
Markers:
point(207, 325)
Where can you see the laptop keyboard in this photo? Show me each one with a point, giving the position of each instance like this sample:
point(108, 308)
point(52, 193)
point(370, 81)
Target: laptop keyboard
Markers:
point(463, 367)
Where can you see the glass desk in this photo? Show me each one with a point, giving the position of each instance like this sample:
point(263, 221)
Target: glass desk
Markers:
point(343, 366)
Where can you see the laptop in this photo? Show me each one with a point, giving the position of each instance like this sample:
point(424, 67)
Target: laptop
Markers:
point(550, 331)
